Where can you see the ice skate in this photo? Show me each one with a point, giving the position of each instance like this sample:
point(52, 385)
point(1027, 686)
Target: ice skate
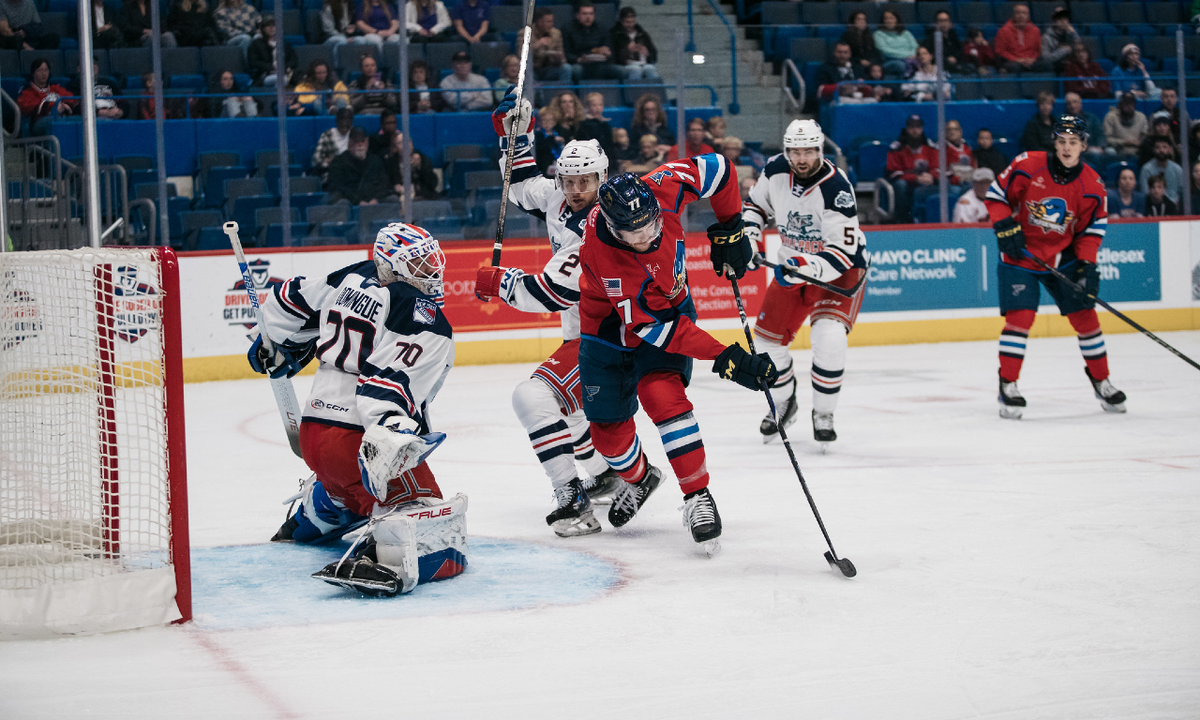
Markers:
point(573, 516)
point(787, 410)
point(701, 517)
point(823, 431)
point(600, 488)
point(284, 533)
point(1111, 399)
point(630, 497)
point(1012, 405)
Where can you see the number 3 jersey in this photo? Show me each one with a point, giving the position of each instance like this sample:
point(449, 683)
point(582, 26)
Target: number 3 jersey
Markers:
point(817, 219)
point(382, 349)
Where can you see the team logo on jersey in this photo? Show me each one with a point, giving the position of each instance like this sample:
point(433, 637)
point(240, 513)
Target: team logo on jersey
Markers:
point(843, 200)
point(136, 305)
point(424, 312)
point(679, 270)
point(237, 304)
point(1050, 214)
point(612, 286)
point(591, 391)
point(659, 176)
point(799, 234)
point(1017, 290)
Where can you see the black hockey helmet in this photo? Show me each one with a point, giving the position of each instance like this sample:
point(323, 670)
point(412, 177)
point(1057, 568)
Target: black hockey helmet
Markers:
point(627, 203)
point(1073, 125)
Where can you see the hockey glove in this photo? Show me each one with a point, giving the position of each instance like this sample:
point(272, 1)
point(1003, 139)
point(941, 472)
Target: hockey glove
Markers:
point(493, 282)
point(1010, 237)
point(284, 362)
point(1086, 277)
point(755, 372)
point(754, 235)
point(391, 449)
point(788, 273)
point(506, 112)
point(730, 246)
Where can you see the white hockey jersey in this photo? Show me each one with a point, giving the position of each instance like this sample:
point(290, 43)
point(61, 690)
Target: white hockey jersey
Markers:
point(383, 350)
point(818, 220)
point(556, 288)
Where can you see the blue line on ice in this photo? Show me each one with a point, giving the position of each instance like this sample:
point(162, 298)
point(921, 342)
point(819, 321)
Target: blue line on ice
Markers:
point(250, 586)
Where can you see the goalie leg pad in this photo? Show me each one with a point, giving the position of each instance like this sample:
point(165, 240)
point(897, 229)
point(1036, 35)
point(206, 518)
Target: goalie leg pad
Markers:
point(320, 518)
point(424, 542)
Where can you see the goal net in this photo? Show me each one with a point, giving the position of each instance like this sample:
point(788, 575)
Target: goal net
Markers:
point(93, 505)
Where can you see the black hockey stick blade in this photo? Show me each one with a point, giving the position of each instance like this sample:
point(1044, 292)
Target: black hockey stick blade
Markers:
point(844, 292)
point(842, 564)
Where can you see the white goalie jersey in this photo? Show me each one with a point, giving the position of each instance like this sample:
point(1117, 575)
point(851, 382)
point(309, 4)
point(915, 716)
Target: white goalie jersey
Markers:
point(556, 288)
point(818, 221)
point(382, 349)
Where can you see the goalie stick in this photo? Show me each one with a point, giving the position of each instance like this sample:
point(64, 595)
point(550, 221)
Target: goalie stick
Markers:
point(843, 564)
point(795, 272)
point(285, 395)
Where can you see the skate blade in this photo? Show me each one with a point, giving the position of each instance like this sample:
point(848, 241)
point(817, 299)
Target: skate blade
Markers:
point(584, 525)
point(603, 500)
point(1110, 408)
point(824, 448)
point(712, 547)
point(1011, 413)
point(768, 439)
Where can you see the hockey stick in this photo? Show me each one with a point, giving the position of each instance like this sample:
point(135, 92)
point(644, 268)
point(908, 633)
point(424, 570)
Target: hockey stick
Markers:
point(1113, 310)
point(831, 557)
point(794, 272)
point(285, 396)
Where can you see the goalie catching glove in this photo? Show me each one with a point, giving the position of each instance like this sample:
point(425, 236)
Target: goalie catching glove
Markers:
point(391, 449)
point(755, 372)
point(280, 361)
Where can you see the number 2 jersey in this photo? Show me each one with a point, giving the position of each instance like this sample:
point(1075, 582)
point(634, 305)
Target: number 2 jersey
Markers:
point(382, 349)
point(629, 297)
point(1061, 222)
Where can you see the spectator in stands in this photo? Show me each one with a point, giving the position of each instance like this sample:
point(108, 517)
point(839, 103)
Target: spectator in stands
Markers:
point(897, 46)
point(135, 25)
point(260, 55)
point(549, 60)
point(633, 49)
point(105, 33)
point(424, 179)
point(426, 20)
point(421, 99)
point(734, 151)
point(839, 69)
point(510, 71)
point(1039, 131)
point(970, 207)
point(338, 25)
point(1092, 81)
point(547, 142)
point(464, 79)
point(694, 141)
point(1018, 44)
point(1130, 75)
point(586, 47)
point(912, 167)
point(369, 78)
point(333, 142)
point(1194, 150)
point(174, 108)
point(381, 142)
point(960, 162)
point(1059, 39)
point(1160, 127)
point(1195, 188)
point(21, 27)
point(745, 185)
point(649, 119)
point(952, 46)
point(986, 154)
point(1164, 165)
point(471, 19)
point(648, 158)
point(1124, 128)
point(192, 23)
point(229, 104)
point(922, 86)
point(860, 39)
point(104, 89)
point(356, 177)
point(876, 84)
point(1158, 202)
point(715, 131)
point(977, 53)
point(327, 94)
point(623, 150)
point(379, 22)
point(1169, 104)
point(1073, 105)
point(1126, 201)
point(569, 115)
point(597, 127)
point(39, 100)
point(236, 21)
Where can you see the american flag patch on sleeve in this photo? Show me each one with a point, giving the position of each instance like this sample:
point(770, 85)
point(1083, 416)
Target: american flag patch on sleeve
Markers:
point(612, 287)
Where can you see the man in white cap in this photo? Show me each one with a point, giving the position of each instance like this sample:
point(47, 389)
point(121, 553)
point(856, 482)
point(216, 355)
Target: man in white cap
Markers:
point(970, 207)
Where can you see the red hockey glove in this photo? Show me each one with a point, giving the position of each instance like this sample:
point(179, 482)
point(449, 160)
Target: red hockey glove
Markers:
point(493, 282)
point(504, 114)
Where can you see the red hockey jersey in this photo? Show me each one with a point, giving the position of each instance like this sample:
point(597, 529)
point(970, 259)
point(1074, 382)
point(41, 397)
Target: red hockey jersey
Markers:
point(1061, 222)
point(627, 297)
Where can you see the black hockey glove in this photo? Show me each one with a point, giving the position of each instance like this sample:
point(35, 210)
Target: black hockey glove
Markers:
point(730, 246)
point(1087, 277)
point(286, 362)
point(755, 372)
point(1010, 237)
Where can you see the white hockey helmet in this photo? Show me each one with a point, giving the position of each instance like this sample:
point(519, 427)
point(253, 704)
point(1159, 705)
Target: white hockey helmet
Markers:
point(409, 253)
point(582, 157)
point(803, 134)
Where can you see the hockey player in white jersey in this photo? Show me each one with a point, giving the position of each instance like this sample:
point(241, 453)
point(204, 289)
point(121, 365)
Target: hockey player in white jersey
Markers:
point(815, 211)
point(549, 402)
point(384, 349)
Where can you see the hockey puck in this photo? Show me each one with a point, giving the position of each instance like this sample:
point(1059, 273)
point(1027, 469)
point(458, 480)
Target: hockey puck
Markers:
point(842, 564)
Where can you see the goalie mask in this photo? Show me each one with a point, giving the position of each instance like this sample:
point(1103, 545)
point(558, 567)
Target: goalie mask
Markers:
point(804, 146)
point(410, 254)
point(582, 167)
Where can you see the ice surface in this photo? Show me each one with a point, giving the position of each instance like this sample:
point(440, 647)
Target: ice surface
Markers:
point(1042, 568)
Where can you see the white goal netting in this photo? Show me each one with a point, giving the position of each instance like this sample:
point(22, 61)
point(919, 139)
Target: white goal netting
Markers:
point(85, 495)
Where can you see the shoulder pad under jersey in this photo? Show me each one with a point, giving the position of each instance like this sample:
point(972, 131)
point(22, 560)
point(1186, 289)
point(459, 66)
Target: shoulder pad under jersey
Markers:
point(776, 165)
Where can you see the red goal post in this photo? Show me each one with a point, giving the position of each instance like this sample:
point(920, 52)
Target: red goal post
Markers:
point(93, 477)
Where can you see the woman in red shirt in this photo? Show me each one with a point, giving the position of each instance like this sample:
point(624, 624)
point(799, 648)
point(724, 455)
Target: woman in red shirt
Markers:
point(1090, 83)
point(39, 99)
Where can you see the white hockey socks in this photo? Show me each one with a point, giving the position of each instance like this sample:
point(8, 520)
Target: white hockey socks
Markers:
point(423, 543)
point(581, 437)
point(538, 410)
point(781, 356)
point(829, 342)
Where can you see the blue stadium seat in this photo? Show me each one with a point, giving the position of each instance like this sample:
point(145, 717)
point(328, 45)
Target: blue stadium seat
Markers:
point(214, 186)
point(176, 206)
point(241, 210)
point(272, 235)
point(211, 238)
point(303, 201)
point(348, 231)
point(872, 160)
point(456, 185)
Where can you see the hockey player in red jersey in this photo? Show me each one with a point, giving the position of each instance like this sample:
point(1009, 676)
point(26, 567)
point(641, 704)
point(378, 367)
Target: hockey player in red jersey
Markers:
point(639, 333)
point(1051, 206)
